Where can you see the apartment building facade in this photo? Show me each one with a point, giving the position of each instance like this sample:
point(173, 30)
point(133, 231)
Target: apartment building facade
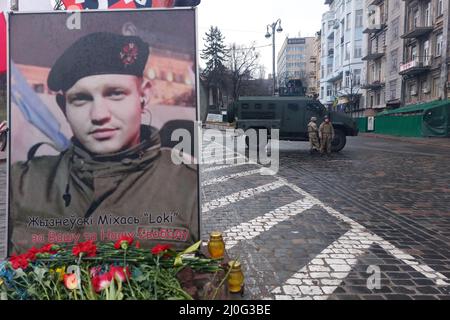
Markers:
point(425, 65)
point(294, 62)
point(341, 64)
point(315, 65)
point(383, 52)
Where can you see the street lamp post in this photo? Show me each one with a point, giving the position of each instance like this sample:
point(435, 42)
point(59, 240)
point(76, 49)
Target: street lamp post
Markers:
point(273, 27)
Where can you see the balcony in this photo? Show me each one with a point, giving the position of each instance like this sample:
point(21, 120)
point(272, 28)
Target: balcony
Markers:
point(415, 67)
point(417, 32)
point(336, 77)
point(374, 85)
point(374, 28)
point(373, 56)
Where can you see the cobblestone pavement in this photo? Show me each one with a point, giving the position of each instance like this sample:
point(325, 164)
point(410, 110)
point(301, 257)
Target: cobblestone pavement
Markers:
point(322, 228)
point(326, 228)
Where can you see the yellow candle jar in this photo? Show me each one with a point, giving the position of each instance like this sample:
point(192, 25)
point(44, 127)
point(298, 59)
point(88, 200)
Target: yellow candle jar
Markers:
point(216, 246)
point(235, 277)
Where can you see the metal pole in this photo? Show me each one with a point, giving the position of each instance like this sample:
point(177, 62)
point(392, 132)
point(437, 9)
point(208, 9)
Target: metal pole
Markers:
point(273, 60)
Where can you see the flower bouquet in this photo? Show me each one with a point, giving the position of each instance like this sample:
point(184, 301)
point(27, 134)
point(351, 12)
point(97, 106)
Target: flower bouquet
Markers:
point(102, 271)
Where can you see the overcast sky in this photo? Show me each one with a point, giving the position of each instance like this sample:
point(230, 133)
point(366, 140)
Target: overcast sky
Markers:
point(244, 21)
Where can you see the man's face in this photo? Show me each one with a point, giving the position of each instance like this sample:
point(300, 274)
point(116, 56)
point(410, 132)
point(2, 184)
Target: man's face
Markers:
point(104, 112)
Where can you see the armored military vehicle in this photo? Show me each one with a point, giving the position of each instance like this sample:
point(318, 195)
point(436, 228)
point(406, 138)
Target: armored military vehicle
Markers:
point(291, 116)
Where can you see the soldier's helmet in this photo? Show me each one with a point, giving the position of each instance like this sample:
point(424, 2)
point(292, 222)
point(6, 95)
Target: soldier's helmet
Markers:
point(313, 119)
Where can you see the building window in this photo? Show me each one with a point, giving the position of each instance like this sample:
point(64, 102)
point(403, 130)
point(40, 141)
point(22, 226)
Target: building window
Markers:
point(425, 87)
point(393, 90)
point(394, 61)
point(440, 7)
point(347, 51)
point(412, 89)
point(439, 45)
point(416, 19)
point(358, 49)
point(347, 79)
point(426, 53)
point(357, 77)
point(348, 22)
point(413, 53)
point(359, 18)
point(329, 92)
point(377, 99)
point(428, 15)
point(395, 30)
point(435, 88)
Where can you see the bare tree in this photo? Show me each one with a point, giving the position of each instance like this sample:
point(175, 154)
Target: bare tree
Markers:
point(351, 91)
point(243, 65)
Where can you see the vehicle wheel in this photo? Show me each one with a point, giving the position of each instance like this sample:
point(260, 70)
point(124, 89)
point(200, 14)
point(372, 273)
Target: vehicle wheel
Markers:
point(339, 140)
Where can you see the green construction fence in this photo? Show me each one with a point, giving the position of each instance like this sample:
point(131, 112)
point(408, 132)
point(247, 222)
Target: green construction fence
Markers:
point(422, 120)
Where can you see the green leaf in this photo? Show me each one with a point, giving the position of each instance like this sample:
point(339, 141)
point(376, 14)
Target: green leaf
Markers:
point(178, 261)
point(191, 249)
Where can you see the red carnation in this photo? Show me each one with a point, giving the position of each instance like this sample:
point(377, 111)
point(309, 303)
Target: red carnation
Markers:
point(31, 254)
point(160, 248)
point(49, 248)
point(124, 242)
point(118, 273)
point(101, 282)
point(19, 261)
point(88, 248)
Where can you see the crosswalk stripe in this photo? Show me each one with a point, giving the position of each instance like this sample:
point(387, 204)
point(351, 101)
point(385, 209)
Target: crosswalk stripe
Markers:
point(323, 275)
point(241, 195)
point(253, 228)
point(229, 177)
point(211, 169)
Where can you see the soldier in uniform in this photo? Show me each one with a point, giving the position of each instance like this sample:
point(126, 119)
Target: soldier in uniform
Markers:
point(114, 179)
point(313, 133)
point(326, 135)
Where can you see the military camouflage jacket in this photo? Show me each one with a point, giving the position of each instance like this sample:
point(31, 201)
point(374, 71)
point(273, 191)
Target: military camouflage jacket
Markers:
point(77, 196)
point(312, 127)
point(326, 129)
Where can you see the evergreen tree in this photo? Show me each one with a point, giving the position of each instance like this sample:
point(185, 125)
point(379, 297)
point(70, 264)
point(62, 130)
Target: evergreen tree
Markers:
point(215, 54)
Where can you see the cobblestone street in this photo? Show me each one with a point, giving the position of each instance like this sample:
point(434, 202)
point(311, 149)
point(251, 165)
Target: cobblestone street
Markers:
point(321, 228)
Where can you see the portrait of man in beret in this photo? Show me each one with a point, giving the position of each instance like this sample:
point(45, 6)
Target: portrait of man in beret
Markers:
point(113, 178)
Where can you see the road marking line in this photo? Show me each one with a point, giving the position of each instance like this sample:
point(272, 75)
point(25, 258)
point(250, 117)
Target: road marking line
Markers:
point(231, 176)
point(241, 195)
point(323, 274)
point(227, 161)
point(253, 228)
point(211, 169)
point(360, 241)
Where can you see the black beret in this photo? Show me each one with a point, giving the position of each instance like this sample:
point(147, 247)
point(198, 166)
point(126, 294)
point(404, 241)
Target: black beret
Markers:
point(98, 53)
